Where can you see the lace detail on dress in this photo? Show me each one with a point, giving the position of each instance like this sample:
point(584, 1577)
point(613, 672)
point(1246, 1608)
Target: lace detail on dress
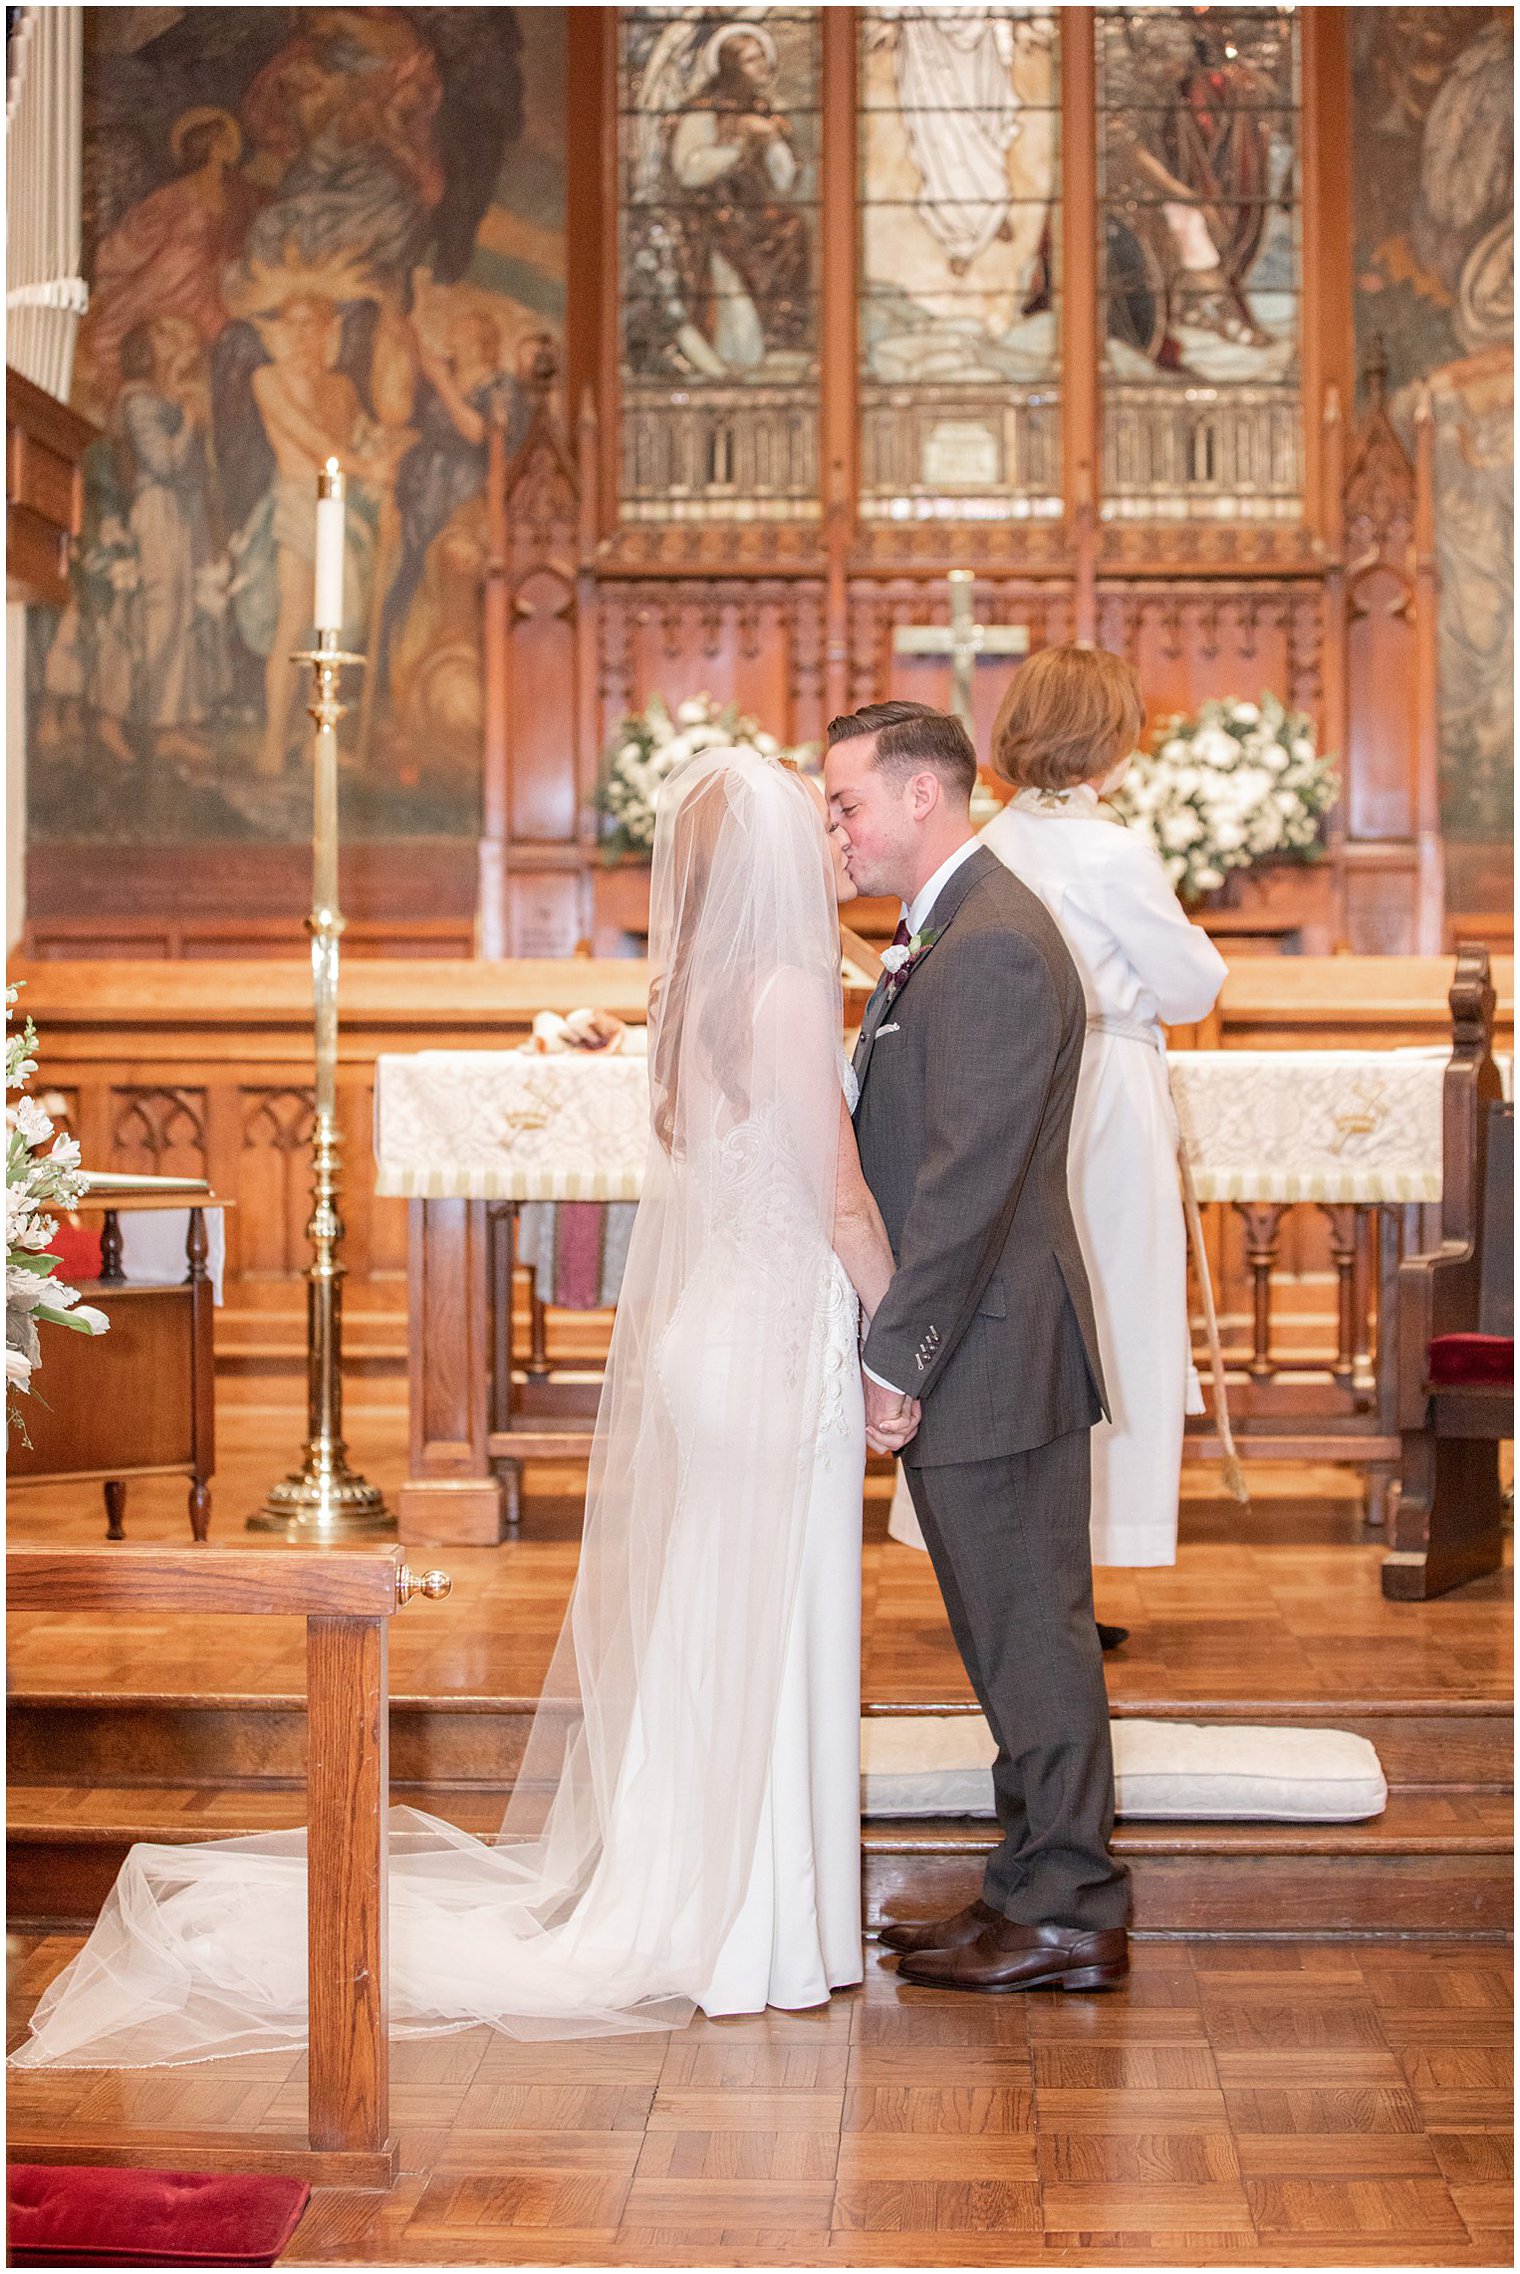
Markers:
point(841, 1361)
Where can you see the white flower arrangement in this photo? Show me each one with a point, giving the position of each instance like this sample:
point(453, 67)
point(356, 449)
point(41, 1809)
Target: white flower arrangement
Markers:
point(650, 744)
point(35, 1182)
point(1240, 783)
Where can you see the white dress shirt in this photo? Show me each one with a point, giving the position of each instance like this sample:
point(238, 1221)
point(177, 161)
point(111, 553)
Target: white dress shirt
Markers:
point(916, 914)
point(918, 910)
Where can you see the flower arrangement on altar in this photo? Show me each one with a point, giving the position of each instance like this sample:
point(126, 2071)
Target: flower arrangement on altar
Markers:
point(1237, 784)
point(651, 742)
point(35, 1183)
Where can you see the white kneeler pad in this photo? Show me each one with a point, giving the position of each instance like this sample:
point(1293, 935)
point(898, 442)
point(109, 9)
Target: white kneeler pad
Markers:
point(1186, 1771)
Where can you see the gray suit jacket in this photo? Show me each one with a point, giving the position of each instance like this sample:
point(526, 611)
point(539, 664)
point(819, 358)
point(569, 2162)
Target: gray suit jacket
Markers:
point(966, 1090)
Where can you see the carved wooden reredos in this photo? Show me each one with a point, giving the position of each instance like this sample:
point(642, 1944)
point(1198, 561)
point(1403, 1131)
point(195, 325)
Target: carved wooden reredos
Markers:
point(852, 296)
point(597, 599)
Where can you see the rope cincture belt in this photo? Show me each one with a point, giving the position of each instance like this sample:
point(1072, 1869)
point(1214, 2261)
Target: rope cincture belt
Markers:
point(1145, 1031)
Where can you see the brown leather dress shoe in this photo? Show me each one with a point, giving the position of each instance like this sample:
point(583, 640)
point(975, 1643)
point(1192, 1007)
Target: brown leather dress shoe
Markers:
point(1013, 1957)
point(944, 1934)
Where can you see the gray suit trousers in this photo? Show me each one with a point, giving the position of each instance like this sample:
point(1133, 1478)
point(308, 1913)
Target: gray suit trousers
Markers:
point(1009, 1543)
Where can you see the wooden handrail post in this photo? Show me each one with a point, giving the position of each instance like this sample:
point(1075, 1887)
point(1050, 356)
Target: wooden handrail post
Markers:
point(348, 1597)
point(347, 1785)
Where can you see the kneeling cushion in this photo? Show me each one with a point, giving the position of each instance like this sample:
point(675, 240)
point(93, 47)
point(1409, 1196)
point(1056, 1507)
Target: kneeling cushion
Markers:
point(95, 2215)
point(941, 1764)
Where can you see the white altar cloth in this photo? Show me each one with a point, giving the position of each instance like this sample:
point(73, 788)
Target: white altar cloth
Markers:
point(510, 1125)
point(1337, 1126)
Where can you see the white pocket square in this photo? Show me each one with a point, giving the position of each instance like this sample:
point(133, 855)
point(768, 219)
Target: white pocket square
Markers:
point(894, 1028)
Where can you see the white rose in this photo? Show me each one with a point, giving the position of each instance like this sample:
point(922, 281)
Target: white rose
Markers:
point(1245, 714)
point(693, 712)
point(1174, 750)
point(1274, 757)
point(767, 745)
point(1216, 748)
point(1286, 801)
point(1228, 836)
point(1179, 830)
point(1208, 880)
point(893, 959)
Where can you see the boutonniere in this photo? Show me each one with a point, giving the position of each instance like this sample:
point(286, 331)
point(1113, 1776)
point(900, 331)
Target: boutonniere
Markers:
point(897, 962)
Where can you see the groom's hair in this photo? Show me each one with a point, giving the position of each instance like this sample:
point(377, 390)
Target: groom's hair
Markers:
point(909, 738)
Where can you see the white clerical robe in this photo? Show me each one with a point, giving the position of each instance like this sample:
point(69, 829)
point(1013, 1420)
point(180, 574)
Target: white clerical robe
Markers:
point(1141, 963)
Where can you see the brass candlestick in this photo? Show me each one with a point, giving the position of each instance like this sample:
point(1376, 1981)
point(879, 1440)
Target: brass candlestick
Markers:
point(325, 1502)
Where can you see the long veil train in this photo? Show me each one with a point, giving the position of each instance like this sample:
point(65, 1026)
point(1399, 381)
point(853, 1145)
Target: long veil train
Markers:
point(604, 1902)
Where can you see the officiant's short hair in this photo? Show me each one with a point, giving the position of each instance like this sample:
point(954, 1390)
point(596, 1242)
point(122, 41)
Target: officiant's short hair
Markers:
point(1070, 715)
point(911, 737)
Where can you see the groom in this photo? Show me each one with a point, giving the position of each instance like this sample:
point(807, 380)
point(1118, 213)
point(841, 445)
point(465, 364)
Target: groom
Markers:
point(967, 1063)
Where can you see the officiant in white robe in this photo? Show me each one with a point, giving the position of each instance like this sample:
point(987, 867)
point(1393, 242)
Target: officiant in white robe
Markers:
point(1143, 965)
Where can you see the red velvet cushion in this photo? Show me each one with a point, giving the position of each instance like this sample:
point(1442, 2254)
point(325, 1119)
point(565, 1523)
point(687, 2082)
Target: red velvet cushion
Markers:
point(88, 2215)
point(1472, 1361)
point(77, 1248)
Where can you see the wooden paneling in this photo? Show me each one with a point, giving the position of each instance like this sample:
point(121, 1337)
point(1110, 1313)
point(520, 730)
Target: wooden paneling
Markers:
point(206, 1067)
point(45, 443)
point(169, 900)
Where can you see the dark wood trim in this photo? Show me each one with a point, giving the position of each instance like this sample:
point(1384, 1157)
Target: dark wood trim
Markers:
point(601, 158)
point(838, 339)
point(1328, 346)
point(1081, 435)
point(589, 33)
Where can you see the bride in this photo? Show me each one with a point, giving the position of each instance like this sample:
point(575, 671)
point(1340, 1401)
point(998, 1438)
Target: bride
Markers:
point(684, 1831)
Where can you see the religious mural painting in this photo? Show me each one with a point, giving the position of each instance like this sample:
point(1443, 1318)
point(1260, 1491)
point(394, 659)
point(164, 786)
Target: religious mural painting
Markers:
point(1199, 262)
point(308, 231)
point(959, 263)
point(718, 117)
point(1434, 214)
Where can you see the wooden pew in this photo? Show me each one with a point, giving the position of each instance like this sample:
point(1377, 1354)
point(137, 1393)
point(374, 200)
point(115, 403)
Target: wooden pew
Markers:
point(1456, 1309)
point(348, 1597)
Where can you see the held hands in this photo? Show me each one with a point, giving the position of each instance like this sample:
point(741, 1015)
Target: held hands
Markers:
point(891, 1418)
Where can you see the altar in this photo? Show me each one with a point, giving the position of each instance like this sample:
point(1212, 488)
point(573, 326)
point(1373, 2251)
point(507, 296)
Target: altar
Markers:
point(471, 1138)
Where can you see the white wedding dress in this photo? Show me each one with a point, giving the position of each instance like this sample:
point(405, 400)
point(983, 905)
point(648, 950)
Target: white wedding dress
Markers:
point(684, 1830)
point(797, 1935)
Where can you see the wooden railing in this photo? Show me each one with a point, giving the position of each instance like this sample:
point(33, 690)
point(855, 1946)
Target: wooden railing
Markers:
point(347, 1597)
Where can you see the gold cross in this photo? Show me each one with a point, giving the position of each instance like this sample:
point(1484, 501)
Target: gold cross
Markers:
point(963, 639)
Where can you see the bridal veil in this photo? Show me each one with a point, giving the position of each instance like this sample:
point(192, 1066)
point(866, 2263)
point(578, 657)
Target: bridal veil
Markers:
point(604, 1902)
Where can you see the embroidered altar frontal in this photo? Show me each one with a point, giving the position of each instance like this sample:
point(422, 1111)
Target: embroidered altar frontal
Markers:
point(1347, 1127)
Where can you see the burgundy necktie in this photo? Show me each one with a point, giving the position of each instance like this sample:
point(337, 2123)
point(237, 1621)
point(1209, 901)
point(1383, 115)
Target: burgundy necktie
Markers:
point(902, 937)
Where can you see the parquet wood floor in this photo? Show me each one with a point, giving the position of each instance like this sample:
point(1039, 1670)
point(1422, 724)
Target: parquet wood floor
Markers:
point(1254, 2103)
point(1237, 2104)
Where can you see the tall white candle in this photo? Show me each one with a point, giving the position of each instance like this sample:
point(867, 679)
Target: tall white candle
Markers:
point(330, 510)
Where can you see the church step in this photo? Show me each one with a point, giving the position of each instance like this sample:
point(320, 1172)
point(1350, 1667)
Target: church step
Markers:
point(454, 1742)
point(252, 1741)
point(1433, 1863)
